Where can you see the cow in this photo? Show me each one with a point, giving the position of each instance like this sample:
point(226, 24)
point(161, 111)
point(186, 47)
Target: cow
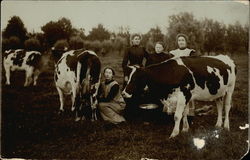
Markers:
point(29, 61)
point(203, 78)
point(77, 73)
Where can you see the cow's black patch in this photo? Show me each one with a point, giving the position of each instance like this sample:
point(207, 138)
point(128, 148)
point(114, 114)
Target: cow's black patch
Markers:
point(34, 60)
point(92, 62)
point(18, 60)
point(198, 65)
point(71, 62)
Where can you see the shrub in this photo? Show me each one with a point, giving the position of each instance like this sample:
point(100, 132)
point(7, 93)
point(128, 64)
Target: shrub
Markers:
point(14, 43)
point(32, 44)
point(76, 42)
point(61, 44)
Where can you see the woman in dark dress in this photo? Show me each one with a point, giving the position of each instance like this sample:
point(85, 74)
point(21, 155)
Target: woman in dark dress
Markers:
point(133, 55)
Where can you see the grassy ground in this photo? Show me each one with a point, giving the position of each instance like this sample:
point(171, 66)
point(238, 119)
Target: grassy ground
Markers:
point(31, 127)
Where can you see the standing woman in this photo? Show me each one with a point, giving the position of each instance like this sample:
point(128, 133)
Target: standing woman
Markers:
point(182, 50)
point(159, 55)
point(134, 55)
point(111, 103)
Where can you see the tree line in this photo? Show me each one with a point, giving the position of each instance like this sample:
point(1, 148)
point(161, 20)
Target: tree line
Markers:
point(205, 36)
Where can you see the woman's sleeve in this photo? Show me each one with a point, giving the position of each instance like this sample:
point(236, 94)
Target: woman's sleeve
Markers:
point(113, 92)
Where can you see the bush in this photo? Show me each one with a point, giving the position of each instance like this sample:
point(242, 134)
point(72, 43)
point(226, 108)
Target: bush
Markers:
point(76, 42)
point(61, 44)
point(32, 44)
point(5, 44)
point(14, 43)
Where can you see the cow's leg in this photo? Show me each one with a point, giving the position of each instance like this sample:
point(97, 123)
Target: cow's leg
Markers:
point(219, 104)
point(228, 99)
point(73, 99)
point(7, 75)
point(178, 114)
point(28, 78)
point(93, 103)
point(61, 97)
point(36, 74)
point(185, 120)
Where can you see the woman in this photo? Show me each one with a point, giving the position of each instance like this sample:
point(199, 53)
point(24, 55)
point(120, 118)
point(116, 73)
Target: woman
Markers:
point(182, 50)
point(159, 55)
point(111, 103)
point(134, 55)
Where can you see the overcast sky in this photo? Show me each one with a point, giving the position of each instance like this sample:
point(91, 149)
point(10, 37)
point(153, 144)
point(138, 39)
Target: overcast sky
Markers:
point(140, 16)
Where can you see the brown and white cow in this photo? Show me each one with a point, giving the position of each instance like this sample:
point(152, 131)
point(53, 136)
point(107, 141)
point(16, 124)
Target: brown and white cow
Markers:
point(28, 61)
point(78, 73)
point(205, 78)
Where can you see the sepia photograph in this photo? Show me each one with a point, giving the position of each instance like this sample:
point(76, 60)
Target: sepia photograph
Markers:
point(125, 80)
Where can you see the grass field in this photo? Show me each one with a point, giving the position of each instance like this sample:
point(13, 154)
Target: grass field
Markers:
point(31, 127)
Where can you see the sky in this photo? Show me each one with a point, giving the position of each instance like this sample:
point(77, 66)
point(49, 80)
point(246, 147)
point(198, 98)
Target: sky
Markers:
point(140, 16)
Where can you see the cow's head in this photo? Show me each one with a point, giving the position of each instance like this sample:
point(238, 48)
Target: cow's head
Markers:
point(57, 53)
point(136, 82)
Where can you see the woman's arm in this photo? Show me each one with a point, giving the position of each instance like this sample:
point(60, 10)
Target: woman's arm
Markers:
point(113, 92)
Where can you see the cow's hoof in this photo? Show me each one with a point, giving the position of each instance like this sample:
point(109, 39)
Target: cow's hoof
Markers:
point(83, 118)
point(77, 119)
point(174, 134)
point(184, 130)
point(60, 112)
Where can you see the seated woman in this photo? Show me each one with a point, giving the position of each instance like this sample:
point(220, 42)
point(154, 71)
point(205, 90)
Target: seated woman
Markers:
point(159, 55)
point(111, 103)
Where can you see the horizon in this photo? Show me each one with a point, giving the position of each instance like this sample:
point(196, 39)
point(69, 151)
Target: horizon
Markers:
point(114, 14)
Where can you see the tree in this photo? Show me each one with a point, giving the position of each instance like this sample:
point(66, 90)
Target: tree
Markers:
point(99, 33)
point(53, 31)
point(237, 38)
point(76, 42)
point(15, 27)
point(214, 35)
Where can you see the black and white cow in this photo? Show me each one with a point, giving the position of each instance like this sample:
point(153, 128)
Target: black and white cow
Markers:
point(28, 61)
point(205, 78)
point(78, 73)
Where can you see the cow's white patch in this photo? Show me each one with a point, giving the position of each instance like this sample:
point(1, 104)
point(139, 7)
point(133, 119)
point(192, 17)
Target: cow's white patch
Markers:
point(209, 69)
point(169, 104)
point(132, 73)
point(91, 52)
point(244, 127)
point(199, 143)
point(148, 159)
point(179, 62)
point(247, 141)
